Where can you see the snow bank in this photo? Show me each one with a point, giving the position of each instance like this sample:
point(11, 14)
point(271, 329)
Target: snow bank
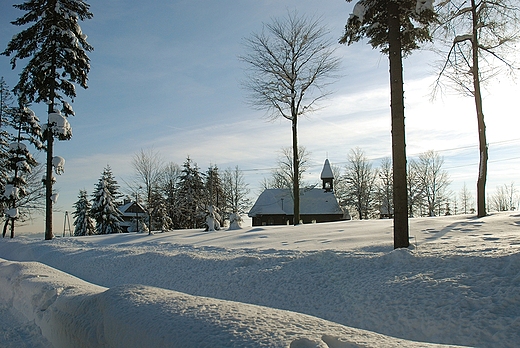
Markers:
point(74, 313)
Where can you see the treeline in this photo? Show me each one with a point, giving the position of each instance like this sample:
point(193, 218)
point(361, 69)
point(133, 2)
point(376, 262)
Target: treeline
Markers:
point(174, 197)
point(367, 191)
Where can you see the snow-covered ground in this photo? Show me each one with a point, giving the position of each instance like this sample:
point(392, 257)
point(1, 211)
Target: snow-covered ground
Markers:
point(322, 285)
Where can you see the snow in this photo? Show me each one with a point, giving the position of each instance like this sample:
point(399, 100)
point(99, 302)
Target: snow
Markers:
point(59, 124)
point(54, 197)
point(12, 213)
point(423, 5)
point(318, 285)
point(17, 147)
point(10, 191)
point(461, 38)
point(358, 11)
point(58, 163)
point(279, 201)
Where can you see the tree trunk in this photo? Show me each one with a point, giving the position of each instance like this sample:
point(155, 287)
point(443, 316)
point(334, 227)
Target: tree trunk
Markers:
point(482, 172)
point(401, 233)
point(48, 174)
point(296, 169)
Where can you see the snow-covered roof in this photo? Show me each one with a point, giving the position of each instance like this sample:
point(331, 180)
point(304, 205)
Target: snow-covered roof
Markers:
point(131, 208)
point(326, 172)
point(280, 202)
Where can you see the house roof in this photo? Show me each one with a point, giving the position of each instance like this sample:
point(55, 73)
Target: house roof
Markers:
point(279, 202)
point(131, 208)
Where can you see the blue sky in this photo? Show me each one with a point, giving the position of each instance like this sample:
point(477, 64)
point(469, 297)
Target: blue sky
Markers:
point(165, 76)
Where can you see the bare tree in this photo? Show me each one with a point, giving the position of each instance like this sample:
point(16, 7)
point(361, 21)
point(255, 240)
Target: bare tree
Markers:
point(499, 200)
point(291, 62)
point(148, 166)
point(397, 28)
point(481, 34)
point(168, 183)
point(466, 199)
point(236, 191)
point(282, 176)
point(385, 188)
point(513, 196)
point(433, 179)
point(360, 178)
point(504, 198)
point(415, 189)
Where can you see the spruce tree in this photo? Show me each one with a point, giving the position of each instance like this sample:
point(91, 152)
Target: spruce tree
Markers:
point(190, 197)
point(56, 48)
point(83, 224)
point(104, 205)
point(6, 111)
point(397, 27)
point(215, 196)
point(19, 164)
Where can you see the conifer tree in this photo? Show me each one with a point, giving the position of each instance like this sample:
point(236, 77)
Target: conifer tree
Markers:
point(190, 197)
point(56, 48)
point(104, 205)
point(397, 27)
point(215, 196)
point(84, 226)
point(6, 111)
point(20, 163)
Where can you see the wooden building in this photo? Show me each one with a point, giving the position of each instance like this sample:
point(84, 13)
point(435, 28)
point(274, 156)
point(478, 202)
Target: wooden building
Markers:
point(133, 214)
point(276, 206)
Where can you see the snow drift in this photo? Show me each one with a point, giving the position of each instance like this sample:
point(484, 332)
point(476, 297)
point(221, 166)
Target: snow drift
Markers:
point(268, 285)
point(74, 313)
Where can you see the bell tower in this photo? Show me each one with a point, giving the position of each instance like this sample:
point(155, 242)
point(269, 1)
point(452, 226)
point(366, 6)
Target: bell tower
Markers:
point(327, 177)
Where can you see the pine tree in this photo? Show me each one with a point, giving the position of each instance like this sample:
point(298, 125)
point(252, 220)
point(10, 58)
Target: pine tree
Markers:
point(159, 217)
point(190, 197)
point(397, 28)
point(215, 196)
point(104, 205)
point(20, 163)
point(84, 226)
point(56, 46)
point(6, 111)
point(111, 183)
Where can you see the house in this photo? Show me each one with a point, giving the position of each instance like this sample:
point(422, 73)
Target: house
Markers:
point(276, 206)
point(132, 212)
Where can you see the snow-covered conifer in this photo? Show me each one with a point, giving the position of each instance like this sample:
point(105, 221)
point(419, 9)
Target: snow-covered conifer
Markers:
point(190, 197)
point(19, 164)
point(215, 195)
point(55, 47)
point(104, 205)
point(84, 226)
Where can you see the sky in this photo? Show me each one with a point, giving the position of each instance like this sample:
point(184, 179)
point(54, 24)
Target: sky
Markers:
point(167, 78)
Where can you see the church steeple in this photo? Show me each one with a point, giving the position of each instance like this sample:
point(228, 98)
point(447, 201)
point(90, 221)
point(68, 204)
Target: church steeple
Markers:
point(327, 177)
